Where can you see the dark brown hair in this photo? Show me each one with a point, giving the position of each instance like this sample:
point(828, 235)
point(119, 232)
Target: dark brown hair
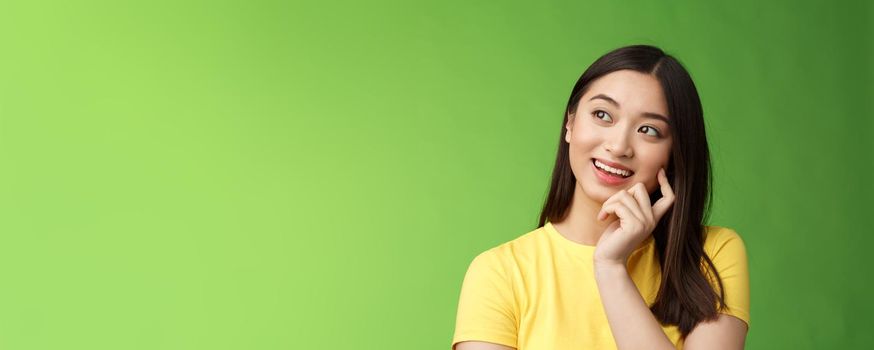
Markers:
point(685, 296)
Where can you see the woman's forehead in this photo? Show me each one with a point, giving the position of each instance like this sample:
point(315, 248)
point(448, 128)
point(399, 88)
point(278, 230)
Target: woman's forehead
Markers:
point(629, 91)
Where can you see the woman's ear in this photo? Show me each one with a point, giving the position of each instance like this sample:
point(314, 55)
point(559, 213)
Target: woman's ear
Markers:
point(569, 126)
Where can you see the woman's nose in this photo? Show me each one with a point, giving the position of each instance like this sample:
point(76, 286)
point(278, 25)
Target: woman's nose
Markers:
point(618, 145)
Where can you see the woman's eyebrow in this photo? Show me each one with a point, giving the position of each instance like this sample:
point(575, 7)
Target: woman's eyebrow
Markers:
point(650, 115)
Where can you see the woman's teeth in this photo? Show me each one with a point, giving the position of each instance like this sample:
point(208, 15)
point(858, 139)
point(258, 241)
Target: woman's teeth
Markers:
point(602, 166)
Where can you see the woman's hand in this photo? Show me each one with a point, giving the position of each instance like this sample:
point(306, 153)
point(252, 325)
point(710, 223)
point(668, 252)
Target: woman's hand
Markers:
point(637, 220)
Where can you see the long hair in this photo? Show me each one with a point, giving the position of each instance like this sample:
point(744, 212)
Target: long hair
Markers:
point(685, 296)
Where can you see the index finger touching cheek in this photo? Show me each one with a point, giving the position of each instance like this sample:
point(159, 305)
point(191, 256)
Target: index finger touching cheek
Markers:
point(666, 189)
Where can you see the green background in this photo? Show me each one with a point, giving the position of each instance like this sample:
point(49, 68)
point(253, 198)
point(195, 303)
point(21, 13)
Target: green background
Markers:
point(319, 175)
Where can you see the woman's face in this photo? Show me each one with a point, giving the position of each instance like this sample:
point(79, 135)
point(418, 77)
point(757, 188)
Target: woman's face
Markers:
point(618, 121)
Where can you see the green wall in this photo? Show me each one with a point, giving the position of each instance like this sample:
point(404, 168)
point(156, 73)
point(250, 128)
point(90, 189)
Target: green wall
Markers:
point(318, 175)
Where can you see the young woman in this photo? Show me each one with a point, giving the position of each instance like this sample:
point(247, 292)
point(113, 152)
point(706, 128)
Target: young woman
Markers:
point(621, 258)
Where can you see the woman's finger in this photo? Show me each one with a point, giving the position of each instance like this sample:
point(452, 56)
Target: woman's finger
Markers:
point(627, 220)
point(634, 207)
point(639, 193)
point(662, 205)
point(601, 214)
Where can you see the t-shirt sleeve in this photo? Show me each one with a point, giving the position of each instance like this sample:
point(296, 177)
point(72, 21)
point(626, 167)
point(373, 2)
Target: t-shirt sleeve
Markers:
point(729, 256)
point(486, 306)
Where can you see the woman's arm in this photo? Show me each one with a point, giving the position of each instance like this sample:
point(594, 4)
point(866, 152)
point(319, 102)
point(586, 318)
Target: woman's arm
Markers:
point(635, 327)
point(480, 345)
point(632, 323)
point(726, 332)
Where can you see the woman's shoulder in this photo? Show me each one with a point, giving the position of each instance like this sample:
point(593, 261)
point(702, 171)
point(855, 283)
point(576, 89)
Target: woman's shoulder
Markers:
point(720, 231)
point(718, 238)
point(728, 254)
point(523, 244)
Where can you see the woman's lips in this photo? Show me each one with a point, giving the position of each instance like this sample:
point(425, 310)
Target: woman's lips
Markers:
point(608, 178)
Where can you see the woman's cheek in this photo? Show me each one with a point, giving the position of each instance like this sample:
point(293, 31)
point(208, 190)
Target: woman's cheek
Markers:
point(652, 183)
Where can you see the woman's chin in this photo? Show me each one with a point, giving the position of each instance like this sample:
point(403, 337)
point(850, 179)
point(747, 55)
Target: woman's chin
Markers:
point(599, 194)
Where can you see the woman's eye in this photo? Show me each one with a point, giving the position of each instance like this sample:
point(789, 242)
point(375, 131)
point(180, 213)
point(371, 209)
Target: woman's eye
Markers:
point(649, 128)
point(601, 114)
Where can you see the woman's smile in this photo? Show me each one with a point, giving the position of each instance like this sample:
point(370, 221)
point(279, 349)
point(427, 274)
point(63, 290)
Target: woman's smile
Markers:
point(612, 129)
point(609, 178)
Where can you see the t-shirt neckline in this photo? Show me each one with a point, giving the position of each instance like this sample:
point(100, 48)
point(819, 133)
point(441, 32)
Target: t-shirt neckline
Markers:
point(579, 247)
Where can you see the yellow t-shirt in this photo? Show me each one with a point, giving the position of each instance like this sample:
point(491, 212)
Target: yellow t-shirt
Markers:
point(538, 291)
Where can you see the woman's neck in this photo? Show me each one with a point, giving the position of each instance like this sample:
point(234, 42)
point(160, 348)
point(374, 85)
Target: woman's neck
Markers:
point(581, 224)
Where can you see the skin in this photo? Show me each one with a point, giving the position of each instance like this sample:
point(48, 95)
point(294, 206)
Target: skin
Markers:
point(617, 218)
point(622, 136)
